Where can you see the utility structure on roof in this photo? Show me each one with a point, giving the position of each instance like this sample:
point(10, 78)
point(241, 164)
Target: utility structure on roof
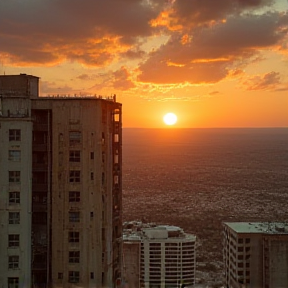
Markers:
point(255, 254)
point(61, 188)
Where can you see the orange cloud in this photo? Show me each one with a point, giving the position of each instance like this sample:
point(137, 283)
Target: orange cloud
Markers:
point(268, 81)
point(213, 51)
point(122, 79)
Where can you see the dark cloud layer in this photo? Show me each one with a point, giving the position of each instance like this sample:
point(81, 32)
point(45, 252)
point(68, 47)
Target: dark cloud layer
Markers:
point(194, 12)
point(88, 31)
point(211, 52)
point(210, 36)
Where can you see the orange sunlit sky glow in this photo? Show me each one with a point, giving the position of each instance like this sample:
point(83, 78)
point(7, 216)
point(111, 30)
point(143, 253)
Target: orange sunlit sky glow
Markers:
point(213, 63)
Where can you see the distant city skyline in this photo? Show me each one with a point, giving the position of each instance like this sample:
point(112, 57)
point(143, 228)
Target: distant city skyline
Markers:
point(212, 63)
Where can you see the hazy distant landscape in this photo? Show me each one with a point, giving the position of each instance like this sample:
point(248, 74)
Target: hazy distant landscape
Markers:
point(197, 178)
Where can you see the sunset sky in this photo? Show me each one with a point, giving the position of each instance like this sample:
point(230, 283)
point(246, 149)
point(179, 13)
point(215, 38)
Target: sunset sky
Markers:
point(214, 63)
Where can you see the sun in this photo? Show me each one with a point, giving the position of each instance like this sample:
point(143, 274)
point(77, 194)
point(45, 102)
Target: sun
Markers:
point(170, 119)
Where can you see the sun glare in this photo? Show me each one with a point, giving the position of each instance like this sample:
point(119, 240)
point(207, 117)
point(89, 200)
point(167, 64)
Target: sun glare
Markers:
point(170, 119)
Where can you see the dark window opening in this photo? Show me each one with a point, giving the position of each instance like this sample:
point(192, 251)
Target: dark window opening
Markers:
point(74, 176)
point(13, 282)
point(14, 176)
point(14, 155)
point(74, 156)
point(14, 135)
point(74, 137)
point(13, 262)
point(74, 256)
point(13, 240)
point(73, 237)
point(74, 277)
point(14, 198)
point(74, 216)
point(74, 196)
point(14, 217)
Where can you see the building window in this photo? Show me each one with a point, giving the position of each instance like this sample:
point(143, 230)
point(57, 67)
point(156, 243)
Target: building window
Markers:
point(14, 155)
point(74, 176)
point(13, 262)
point(74, 196)
point(91, 275)
point(74, 156)
point(60, 275)
point(14, 198)
point(74, 256)
point(14, 135)
point(14, 176)
point(92, 176)
point(73, 237)
point(74, 276)
point(247, 240)
point(74, 137)
point(14, 217)
point(13, 282)
point(74, 216)
point(13, 240)
point(91, 155)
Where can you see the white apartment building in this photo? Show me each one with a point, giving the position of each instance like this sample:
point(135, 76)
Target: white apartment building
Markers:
point(255, 254)
point(60, 188)
point(158, 256)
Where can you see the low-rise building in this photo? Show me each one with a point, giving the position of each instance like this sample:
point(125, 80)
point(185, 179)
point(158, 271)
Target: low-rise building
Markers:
point(255, 255)
point(158, 256)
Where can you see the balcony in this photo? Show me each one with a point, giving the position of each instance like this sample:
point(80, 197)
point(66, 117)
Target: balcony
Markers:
point(43, 187)
point(40, 147)
point(39, 266)
point(40, 126)
point(40, 166)
point(39, 207)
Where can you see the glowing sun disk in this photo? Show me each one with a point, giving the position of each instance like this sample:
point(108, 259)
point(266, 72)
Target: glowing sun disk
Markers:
point(170, 119)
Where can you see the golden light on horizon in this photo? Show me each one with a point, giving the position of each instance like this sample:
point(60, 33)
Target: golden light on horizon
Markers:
point(170, 119)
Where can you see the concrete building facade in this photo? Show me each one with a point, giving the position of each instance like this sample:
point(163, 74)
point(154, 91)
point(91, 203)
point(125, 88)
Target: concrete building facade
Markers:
point(61, 188)
point(158, 256)
point(255, 255)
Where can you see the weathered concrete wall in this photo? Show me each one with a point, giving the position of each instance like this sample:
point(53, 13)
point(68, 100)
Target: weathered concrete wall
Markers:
point(131, 263)
point(24, 207)
point(278, 261)
point(96, 191)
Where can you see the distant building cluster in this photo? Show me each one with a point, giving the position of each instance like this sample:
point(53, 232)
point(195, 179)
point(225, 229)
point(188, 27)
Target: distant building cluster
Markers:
point(157, 256)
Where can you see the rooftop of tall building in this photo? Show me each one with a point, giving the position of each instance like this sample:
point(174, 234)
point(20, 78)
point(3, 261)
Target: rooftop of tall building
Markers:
point(137, 231)
point(258, 227)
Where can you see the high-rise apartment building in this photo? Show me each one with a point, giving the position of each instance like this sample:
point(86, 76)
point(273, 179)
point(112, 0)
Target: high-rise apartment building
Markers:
point(158, 256)
point(255, 255)
point(60, 188)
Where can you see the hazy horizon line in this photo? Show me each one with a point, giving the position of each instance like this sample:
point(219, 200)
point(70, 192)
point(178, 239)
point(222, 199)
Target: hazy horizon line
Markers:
point(167, 128)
